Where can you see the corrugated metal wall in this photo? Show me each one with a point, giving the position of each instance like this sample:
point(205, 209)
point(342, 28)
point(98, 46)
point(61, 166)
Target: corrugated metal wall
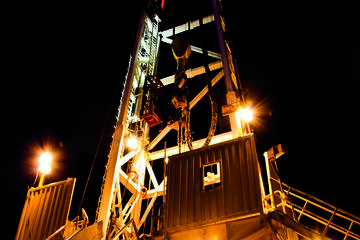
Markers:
point(187, 204)
point(45, 210)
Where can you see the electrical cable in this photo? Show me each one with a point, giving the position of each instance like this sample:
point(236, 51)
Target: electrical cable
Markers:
point(95, 156)
point(214, 108)
point(36, 177)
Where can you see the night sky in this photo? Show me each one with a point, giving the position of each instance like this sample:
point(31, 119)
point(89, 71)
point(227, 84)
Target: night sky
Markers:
point(63, 72)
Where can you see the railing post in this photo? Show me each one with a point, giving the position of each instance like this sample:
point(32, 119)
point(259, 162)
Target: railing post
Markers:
point(349, 229)
point(327, 226)
point(267, 162)
point(302, 210)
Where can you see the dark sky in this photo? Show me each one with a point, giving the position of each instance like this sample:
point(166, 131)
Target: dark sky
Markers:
point(64, 67)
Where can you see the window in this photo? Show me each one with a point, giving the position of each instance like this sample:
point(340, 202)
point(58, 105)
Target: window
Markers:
point(211, 176)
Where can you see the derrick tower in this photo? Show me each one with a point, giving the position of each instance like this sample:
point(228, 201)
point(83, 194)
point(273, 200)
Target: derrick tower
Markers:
point(185, 173)
point(129, 169)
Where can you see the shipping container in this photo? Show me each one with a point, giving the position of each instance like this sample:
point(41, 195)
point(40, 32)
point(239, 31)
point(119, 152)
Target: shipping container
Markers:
point(218, 183)
point(46, 209)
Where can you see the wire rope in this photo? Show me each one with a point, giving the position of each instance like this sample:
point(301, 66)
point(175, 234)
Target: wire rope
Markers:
point(95, 156)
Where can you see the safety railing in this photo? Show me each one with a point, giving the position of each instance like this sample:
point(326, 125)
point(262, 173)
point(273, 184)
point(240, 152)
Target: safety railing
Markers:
point(69, 229)
point(324, 218)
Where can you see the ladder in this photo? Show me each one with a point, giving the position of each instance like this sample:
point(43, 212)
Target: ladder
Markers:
point(154, 44)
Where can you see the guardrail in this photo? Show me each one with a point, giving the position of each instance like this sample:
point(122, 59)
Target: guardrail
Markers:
point(69, 229)
point(324, 218)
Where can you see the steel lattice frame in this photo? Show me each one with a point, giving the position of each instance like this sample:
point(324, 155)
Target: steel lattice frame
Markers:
point(114, 212)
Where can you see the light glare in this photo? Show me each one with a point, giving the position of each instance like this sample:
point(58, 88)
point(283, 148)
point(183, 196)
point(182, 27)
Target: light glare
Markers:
point(132, 142)
point(246, 114)
point(45, 162)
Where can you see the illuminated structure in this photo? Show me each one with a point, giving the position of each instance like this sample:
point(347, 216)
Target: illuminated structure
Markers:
point(210, 188)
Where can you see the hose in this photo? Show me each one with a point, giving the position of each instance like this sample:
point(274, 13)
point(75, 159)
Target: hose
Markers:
point(214, 108)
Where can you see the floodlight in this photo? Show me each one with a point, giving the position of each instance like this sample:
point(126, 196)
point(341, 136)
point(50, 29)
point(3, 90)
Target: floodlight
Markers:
point(246, 114)
point(132, 142)
point(45, 162)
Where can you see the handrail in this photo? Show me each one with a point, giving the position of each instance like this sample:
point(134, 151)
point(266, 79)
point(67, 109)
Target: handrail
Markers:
point(75, 220)
point(321, 201)
point(325, 222)
point(290, 194)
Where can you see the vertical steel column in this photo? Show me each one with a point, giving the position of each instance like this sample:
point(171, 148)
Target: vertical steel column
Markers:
point(229, 74)
point(224, 57)
point(115, 152)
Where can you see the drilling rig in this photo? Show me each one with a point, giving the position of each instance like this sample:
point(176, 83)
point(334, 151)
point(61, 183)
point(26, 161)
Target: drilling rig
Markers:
point(207, 187)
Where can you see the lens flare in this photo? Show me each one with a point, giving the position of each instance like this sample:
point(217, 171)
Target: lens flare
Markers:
point(244, 114)
point(45, 162)
point(132, 142)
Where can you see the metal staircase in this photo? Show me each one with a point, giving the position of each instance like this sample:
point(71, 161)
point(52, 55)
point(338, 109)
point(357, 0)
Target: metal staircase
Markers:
point(320, 216)
point(303, 213)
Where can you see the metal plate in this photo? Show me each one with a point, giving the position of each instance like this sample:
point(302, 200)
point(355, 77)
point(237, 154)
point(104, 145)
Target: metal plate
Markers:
point(188, 204)
point(46, 209)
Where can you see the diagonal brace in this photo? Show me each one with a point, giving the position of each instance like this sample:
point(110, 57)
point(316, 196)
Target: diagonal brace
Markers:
point(193, 102)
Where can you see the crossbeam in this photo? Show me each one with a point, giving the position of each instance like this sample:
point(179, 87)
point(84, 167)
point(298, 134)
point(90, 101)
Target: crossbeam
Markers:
point(196, 144)
point(195, 49)
point(187, 26)
point(152, 175)
point(128, 183)
point(193, 72)
point(205, 89)
point(167, 129)
point(159, 191)
point(127, 157)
